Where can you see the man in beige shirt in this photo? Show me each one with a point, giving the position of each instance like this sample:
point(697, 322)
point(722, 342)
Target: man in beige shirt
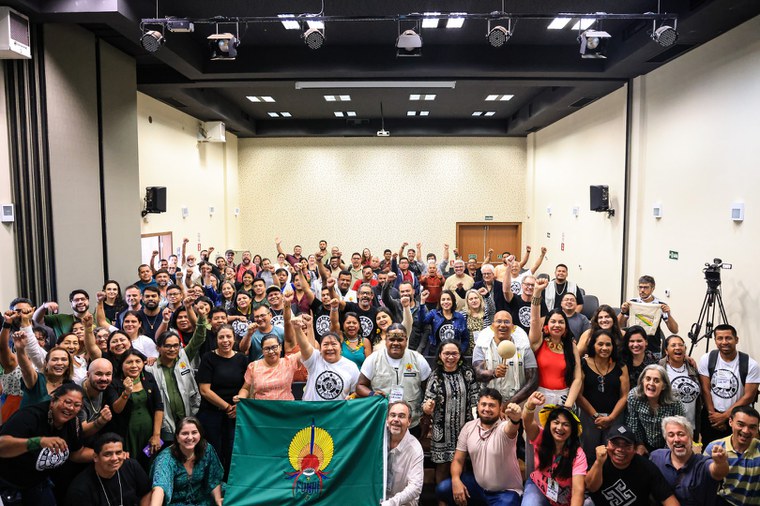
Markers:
point(459, 283)
point(491, 444)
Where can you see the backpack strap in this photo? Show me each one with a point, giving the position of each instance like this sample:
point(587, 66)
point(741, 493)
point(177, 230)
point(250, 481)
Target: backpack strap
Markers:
point(712, 361)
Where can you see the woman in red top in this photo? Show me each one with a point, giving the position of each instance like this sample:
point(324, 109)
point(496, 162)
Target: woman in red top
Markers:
point(556, 354)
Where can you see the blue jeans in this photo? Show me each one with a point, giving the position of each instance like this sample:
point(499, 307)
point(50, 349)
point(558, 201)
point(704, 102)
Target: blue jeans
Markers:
point(478, 496)
point(533, 496)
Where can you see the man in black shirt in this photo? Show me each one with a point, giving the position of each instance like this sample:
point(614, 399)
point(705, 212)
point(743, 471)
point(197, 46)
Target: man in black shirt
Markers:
point(364, 309)
point(619, 477)
point(112, 479)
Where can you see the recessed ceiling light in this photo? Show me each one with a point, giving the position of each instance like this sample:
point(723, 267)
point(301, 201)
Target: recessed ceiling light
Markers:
point(424, 113)
point(430, 20)
point(266, 98)
point(490, 113)
point(477, 113)
point(289, 21)
point(286, 115)
point(330, 98)
point(337, 98)
point(558, 23)
point(430, 97)
point(338, 114)
point(455, 22)
point(273, 115)
point(411, 113)
point(344, 98)
point(351, 114)
point(499, 98)
point(414, 97)
point(583, 24)
point(316, 25)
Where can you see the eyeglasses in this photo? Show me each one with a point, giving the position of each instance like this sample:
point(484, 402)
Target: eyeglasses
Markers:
point(72, 404)
point(172, 346)
point(271, 349)
point(450, 353)
point(529, 284)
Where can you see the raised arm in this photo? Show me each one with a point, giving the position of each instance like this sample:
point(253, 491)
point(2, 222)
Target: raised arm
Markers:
point(184, 250)
point(278, 243)
point(401, 249)
point(303, 342)
point(524, 259)
point(100, 310)
point(335, 315)
point(89, 338)
point(535, 335)
point(304, 284)
point(407, 320)
point(506, 284)
point(532, 429)
point(199, 337)
point(539, 260)
point(8, 359)
point(152, 262)
point(28, 372)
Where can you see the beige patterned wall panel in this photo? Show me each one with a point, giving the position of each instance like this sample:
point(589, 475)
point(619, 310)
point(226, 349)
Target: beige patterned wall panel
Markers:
point(375, 192)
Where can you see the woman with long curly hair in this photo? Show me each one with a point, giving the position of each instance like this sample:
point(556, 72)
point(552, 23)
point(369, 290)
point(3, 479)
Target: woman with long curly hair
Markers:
point(604, 318)
point(559, 462)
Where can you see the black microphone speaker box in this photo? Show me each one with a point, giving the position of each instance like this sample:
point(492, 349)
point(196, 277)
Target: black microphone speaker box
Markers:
point(155, 199)
point(600, 197)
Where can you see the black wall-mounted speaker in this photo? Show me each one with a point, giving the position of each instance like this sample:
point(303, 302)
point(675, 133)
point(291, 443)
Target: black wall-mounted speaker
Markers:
point(155, 199)
point(600, 198)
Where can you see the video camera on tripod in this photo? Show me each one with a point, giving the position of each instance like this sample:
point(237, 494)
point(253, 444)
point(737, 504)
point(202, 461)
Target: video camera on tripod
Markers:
point(712, 301)
point(712, 272)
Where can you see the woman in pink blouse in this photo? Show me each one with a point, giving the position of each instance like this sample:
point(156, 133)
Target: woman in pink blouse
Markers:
point(270, 377)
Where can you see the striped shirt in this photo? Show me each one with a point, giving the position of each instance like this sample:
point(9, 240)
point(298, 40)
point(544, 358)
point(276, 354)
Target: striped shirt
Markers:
point(742, 484)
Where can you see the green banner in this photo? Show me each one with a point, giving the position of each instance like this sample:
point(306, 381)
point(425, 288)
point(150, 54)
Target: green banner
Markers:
point(298, 452)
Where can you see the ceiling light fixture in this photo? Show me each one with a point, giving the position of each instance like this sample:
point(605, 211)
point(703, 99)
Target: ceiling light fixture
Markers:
point(456, 20)
point(665, 36)
point(430, 20)
point(342, 85)
point(583, 24)
point(499, 35)
point(593, 43)
point(409, 43)
point(289, 21)
point(152, 41)
point(223, 46)
point(558, 23)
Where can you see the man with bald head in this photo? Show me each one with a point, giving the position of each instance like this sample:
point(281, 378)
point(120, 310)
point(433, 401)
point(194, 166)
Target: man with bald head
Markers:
point(96, 408)
point(515, 378)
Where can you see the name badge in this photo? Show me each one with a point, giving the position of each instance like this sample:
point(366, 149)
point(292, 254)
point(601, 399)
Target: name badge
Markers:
point(552, 489)
point(397, 394)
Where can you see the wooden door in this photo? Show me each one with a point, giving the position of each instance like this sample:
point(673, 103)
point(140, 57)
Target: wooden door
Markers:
point(161, 242)
point(477, 238)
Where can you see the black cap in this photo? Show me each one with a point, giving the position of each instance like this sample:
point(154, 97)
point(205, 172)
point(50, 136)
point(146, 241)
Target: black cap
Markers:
point(622, 432)
point(273, 289)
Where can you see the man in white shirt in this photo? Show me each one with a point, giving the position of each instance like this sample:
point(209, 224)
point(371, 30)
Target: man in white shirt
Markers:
point(396, 372)
point(406, 459)
point(729, 379)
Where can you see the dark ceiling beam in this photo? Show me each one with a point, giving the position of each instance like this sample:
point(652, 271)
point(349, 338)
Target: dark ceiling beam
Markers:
point(397, 128)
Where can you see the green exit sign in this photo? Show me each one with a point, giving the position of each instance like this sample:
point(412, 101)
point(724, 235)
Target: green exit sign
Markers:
point(673, 255)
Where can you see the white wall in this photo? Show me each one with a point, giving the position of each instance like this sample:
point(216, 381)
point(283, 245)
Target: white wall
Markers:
point(694, 149)
point(8, 278)
point(376, 192)
point(586, 148)
point(196, 175)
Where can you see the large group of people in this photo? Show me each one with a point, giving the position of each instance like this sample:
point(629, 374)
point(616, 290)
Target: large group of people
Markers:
point(517, 395)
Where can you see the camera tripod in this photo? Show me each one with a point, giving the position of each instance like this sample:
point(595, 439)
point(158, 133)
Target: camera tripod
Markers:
point(712, 301)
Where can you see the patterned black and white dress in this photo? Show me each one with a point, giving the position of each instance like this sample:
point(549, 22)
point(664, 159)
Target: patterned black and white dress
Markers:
point(455, 395)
